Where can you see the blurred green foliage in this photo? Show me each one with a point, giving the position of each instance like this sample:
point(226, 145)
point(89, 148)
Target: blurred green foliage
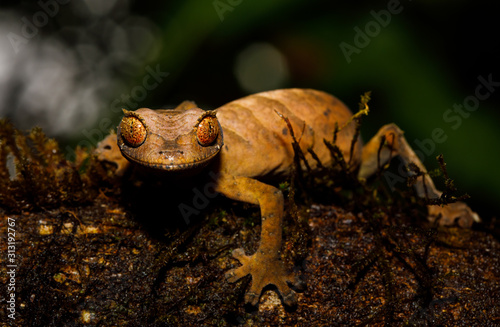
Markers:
point(426, 59)
point(419, 59)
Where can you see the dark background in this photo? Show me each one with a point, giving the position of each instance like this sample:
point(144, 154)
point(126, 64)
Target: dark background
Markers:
point(426, 59)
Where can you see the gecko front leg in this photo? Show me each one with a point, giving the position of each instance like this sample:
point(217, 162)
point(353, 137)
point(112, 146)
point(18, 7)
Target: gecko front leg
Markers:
point(395, 144)
point(265, 265)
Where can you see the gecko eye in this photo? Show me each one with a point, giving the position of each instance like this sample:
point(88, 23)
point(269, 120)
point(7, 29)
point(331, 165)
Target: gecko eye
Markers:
point(133, 131)
point(207, 130)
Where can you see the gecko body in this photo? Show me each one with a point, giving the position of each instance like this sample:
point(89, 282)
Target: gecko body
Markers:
point(246, 142)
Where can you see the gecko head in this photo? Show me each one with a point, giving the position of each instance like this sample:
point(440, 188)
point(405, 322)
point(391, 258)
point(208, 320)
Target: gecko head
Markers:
point(170, 140)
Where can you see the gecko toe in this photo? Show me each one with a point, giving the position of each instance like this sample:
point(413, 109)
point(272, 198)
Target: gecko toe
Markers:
point(452, 213)
point(298, 283)
point(252, 298)
point(239, 254)
point(290, 299)
point(234, 275)
point(231, 276)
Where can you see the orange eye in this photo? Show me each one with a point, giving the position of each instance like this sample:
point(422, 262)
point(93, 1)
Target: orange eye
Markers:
point(133, 131)
point(207, 130)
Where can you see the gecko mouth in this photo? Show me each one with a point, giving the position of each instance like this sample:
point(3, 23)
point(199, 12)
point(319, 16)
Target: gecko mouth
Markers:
point(173, 160)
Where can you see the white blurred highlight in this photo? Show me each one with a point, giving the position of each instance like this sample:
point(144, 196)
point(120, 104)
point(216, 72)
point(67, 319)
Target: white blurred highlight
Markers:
point(261, 67)
point(64, 80)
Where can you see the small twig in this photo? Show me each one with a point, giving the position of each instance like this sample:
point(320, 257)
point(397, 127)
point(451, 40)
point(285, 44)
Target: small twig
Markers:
point(363, 109)
point(298, 154)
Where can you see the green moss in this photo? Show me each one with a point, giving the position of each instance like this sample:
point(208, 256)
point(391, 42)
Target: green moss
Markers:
point(154, 272)
point(34, 173)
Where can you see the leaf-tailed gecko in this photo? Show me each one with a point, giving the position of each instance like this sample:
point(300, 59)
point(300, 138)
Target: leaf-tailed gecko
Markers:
point(245, 142)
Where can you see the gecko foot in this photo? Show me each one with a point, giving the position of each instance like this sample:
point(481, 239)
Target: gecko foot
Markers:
point(452, 212)
point(265, 270)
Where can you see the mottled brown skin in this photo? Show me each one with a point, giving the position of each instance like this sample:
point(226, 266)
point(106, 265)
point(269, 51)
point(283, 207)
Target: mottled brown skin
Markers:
point(257, 145)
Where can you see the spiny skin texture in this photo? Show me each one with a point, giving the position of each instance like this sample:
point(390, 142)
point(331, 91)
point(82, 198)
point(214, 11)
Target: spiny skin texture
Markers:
point(258, 145)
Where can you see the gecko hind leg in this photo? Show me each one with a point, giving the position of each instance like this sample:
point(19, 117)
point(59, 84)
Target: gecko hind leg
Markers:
point(396, 145)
